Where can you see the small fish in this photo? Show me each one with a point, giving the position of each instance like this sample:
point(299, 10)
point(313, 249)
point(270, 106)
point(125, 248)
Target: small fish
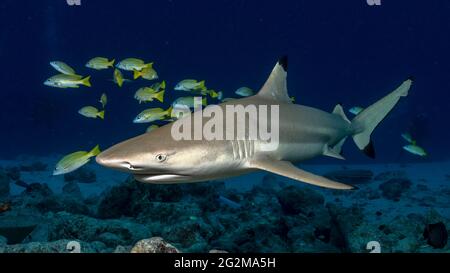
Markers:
point(190, 85)
point(356, 110)
point(220, 95)
point(147, 94)
point(100, 63)
point(118, 77)
point(211, 93)
point(91, 112)
point(186, 101)
point(131, 64)
point(157, 86)
point(63, 68)
point(152, 114)
point(147, 73)
point(152, 127)
point(103, 100)
point(416, 150)
point(73, 161)
point(244, 91)
point(408, 137)
point(67, 81)
point(193, 218)
point(436, 235)
point(292, 99)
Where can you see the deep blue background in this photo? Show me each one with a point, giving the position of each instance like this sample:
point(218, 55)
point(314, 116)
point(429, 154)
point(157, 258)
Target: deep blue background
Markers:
point(340, 51)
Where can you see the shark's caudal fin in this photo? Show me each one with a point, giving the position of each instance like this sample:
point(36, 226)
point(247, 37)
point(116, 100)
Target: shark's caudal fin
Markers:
point(366, 121)
point(275, 87)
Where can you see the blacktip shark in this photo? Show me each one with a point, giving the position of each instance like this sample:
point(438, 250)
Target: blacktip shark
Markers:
point(304, 133)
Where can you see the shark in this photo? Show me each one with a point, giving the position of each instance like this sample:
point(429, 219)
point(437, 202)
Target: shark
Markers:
point(304, 133)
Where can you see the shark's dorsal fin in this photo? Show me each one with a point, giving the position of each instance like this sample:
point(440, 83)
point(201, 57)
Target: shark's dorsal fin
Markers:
point(275, 87)
point(338, 110)
point(286, 168)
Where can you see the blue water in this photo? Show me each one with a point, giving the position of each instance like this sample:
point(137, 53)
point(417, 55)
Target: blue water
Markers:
point(339, 51)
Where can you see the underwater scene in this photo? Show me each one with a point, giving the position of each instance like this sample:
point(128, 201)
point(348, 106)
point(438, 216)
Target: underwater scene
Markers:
point(224, 126)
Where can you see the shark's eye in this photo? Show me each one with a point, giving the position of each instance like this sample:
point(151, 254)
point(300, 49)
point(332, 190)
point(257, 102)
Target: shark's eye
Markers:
point(161, 157)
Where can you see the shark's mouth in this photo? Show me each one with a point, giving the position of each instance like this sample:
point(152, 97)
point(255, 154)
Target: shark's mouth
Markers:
point(161, 178)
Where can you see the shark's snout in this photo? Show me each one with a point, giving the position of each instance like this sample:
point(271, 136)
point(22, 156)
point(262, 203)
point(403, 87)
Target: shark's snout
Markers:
point(105, 159)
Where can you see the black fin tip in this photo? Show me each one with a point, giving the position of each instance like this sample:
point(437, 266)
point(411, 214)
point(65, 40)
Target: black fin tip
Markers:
point(283, 61)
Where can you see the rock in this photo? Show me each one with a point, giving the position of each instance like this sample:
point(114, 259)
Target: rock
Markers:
point(133, 198)
point(33, 167)
point(72, 189)
point(154, 245)
point(436, 235)
point(394, 188)
point(192, 236)
point(13, 173)
point(82, 175)
point(39, 234)
point(351, 177)
point(16, 226)
point(3, 241)
point(217, 251)
point(110, 239)
point(115, 202)
point(64, 225)
point(294, 200)
point(122, 249)
point(383, 176)
point(4, 185)
point(38, 190)
point(41, 197)
point(59, 246)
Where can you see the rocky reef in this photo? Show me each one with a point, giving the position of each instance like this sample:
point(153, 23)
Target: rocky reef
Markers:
point(272, 216)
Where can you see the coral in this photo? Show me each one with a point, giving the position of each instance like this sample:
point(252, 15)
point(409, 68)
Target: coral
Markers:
point(394, 188)
point(82, 175)
point(154, 245)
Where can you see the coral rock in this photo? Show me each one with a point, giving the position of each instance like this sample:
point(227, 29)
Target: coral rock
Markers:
point(394, 188)
point(154, 245)
point(82, 175)
point(294, 200)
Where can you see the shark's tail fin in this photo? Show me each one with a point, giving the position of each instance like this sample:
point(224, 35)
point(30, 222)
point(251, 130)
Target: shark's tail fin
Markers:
point(366, 121)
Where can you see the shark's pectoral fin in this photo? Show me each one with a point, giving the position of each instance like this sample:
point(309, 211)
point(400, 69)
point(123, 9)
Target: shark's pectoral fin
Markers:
point(287, 169)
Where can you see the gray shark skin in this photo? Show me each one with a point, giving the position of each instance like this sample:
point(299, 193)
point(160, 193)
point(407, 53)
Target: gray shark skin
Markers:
point(304, 133)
